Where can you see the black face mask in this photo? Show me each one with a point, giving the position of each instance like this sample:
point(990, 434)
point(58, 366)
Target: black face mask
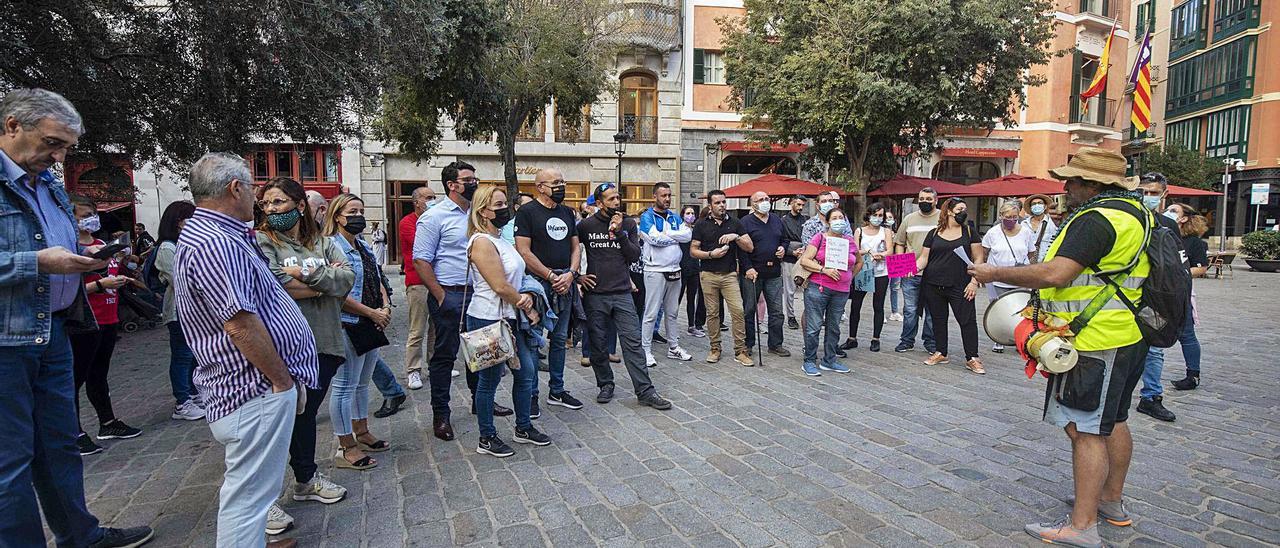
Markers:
point(961, 217)
point(355, 224)
point(469, 190)
point(926, 207)
point(501, 217)
point(557, 194)
point(611, 211)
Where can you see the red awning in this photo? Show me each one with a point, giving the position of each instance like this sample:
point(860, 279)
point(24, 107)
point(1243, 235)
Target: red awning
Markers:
point(1175, 190)
point(906, 185)
point(752, 146)
point(104, 207)
point(778, 186)
point(1016, 185)
point(979, 153)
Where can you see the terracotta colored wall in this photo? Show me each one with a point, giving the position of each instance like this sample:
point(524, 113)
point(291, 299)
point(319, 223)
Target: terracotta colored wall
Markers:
point(711, 98)
point(706, 30)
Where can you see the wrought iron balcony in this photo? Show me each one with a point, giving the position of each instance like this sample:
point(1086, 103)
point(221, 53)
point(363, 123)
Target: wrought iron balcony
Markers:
point(653, 24)
point(640, 129)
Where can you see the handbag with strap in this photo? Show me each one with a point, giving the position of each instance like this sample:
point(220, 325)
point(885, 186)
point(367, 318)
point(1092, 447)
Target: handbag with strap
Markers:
point(490, 345)
point(865, 280)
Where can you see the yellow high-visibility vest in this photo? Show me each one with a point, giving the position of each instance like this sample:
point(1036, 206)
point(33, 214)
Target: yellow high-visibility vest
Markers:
point(1114, 326)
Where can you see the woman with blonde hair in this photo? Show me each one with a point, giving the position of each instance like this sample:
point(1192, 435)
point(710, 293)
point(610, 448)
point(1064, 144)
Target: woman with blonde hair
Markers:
point(1192, 225)
point(1008, 243)
point(365, 313)
point(496, 277)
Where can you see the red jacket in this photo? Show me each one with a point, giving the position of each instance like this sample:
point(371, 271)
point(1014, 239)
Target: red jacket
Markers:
point(408, 227)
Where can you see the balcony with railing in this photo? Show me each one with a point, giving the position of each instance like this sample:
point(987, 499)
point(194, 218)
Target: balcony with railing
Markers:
point(1093, 120)
point(653, 24)
point(640, 129)
point(1188, 28)
point(1231, 17)
point(1099, 14)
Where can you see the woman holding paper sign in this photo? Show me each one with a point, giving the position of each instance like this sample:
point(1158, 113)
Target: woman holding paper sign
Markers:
point(944, 259)
point(873, 244)
point(831, 258)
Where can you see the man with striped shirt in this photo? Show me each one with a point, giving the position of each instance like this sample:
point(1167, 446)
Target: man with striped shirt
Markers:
point(250, 341)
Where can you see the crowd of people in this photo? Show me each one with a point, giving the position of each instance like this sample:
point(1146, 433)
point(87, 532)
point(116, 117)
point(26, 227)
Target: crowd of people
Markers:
point(274, 300)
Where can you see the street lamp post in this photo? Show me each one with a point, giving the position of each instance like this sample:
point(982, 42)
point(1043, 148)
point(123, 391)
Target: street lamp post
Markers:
point(1229, 163)
point(620, 148)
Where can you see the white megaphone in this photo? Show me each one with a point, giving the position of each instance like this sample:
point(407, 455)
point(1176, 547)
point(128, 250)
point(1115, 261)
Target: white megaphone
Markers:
point(1006, 324)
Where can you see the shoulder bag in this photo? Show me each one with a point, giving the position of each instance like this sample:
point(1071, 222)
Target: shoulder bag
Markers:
point(490, 345)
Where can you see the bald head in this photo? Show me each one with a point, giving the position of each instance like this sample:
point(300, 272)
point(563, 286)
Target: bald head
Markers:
point(318, 205)
point(549, 186)
point(422, 198)
point(758, 198)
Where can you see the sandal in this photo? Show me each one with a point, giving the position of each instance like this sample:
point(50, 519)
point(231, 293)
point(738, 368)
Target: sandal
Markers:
point(375, 447)
point(975, 365)
point(340, 460)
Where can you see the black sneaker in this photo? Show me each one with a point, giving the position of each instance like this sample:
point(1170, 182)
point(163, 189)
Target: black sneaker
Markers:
point(117, 430)
point(792, 323)
point(534, 412)
point(652, 399)
point(849, 344)
point(501, 411)
point(1154, 407)
point(86, 445)
point(493, 445)
point(658, 338)
point(563, 399)
point(842, 353)
point(903, 348)
point(123, 538)
point(875, 345)
point(606, 394)
point(532, 435)
point(1189, 383)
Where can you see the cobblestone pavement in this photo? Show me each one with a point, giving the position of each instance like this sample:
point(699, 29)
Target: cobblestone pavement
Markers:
point(894, 454)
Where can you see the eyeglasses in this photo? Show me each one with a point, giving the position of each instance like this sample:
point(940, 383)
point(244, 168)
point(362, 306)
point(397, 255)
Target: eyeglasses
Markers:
point(555, 183)
point(468, 180)
point(276, 203)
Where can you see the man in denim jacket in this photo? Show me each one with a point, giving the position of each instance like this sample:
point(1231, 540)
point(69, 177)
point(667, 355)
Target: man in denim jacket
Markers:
point(40, 268)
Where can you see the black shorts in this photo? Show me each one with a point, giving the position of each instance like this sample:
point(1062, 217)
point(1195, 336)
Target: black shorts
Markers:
point(1097, 392)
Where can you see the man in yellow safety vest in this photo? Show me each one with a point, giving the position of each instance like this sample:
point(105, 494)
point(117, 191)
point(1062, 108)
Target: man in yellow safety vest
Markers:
point(1105, 233)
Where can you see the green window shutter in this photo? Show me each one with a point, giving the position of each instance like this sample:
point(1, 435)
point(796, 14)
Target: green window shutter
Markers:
point(1076, 59)
point(699, 66)
point(1151, 16)
point(1105, 5)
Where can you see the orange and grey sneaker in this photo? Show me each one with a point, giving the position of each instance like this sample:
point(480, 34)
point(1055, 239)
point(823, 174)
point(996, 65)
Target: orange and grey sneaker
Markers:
point(1113, 511)
point(936, 358)
point(975, 365)
point(1061, 532)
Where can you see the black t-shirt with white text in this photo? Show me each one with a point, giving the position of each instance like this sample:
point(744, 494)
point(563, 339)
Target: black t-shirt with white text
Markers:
point(550, 232)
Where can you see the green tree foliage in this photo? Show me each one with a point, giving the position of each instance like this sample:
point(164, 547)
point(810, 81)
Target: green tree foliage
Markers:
point(1181, 166)
point(171, 80)
point(543, 51)
point(855, 77)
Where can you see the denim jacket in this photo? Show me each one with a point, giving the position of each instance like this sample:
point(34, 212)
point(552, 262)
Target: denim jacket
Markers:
point(357, 265)
point(24, 291)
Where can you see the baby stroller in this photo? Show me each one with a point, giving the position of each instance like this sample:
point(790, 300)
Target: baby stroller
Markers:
point(140, 309)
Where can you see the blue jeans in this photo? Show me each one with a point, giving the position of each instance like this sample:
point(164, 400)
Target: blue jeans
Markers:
point(349, 389)
point(385, 380)
point(1151, 386)
point(823, 309)
point(556, 340)
point(911, 303)
point(255, 438)
point(522, 385)
point(895, 287)
point(40, 460)
point(182, 364)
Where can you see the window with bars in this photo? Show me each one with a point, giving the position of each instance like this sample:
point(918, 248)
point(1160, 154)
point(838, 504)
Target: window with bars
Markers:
point(1187, 28)
point(1185, 134)
point(534, 128)
point(566, 133)
point(1218, 76)
point(1227, 133)
point(1231, 17)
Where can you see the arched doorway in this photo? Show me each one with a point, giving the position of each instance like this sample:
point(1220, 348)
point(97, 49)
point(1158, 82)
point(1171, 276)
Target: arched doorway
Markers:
point(638, 107)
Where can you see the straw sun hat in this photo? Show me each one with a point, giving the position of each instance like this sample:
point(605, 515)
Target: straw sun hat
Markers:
point(1097, 165)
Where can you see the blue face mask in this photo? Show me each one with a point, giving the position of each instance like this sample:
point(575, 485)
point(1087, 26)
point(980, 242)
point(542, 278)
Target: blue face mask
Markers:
point(839, 226)
point(1152, 202)
point(877, 221)
point(1037, 209)
point(824, 207)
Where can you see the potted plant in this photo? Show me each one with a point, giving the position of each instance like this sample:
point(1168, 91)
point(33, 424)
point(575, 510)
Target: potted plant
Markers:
point(1263, 250)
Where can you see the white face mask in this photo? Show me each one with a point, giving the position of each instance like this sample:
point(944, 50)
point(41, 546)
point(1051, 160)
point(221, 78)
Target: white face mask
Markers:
point(91, 224)
point(1171, 215)
point(764, 207)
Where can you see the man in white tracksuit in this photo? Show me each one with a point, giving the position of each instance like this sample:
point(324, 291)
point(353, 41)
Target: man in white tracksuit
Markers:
point(662, 230)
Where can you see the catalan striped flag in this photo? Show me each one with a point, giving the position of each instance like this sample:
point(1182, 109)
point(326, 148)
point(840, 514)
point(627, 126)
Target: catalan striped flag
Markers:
point(1141, 80)
point(1099, 82)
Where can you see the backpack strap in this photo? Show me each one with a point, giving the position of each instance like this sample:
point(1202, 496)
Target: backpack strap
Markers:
point(1112, 288)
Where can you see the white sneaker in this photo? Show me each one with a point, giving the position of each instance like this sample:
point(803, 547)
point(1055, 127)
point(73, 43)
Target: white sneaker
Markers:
point(319, 489)
point(198, 399)
point(454, 373)
point(895, 317)
point(678, 353)
point(415, 380)
point(648, 359)
point(188, 411)
point(277, 520)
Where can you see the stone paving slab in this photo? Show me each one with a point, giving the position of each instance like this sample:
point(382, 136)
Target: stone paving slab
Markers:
point(893, 454)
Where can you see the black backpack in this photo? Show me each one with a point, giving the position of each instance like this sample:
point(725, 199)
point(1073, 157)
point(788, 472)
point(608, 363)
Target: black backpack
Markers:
point(1166, 293)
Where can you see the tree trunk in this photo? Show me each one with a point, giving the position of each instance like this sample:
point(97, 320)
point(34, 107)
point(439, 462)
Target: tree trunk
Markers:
point(507, 147)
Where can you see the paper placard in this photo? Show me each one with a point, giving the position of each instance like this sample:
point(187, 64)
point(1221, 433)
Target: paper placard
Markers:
point(837, 254)
point(901, 265)
point(964, 255)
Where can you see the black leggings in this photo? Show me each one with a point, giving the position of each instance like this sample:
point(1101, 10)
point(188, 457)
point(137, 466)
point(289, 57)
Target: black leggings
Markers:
point(302, 444)
point(938, 299)
point(638, 296)
point(877, 302)
point(696, 308)
point(92, 355)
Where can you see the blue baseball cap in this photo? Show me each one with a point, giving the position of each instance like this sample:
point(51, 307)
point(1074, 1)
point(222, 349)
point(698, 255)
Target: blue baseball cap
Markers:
point(591, 200)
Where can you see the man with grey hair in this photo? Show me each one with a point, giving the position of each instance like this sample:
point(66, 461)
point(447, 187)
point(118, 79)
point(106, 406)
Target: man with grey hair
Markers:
point(251, 343)
point(318, 206)
point(41, 263)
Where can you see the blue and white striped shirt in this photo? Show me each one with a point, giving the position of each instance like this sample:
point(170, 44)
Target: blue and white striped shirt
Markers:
point(218, 272)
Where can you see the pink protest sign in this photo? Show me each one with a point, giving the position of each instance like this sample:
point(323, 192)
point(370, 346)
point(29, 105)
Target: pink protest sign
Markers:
point(901, 265)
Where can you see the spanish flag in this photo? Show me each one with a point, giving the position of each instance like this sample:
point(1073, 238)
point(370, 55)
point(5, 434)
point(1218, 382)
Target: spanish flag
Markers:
point(1099, 82)
point(1141, 80)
